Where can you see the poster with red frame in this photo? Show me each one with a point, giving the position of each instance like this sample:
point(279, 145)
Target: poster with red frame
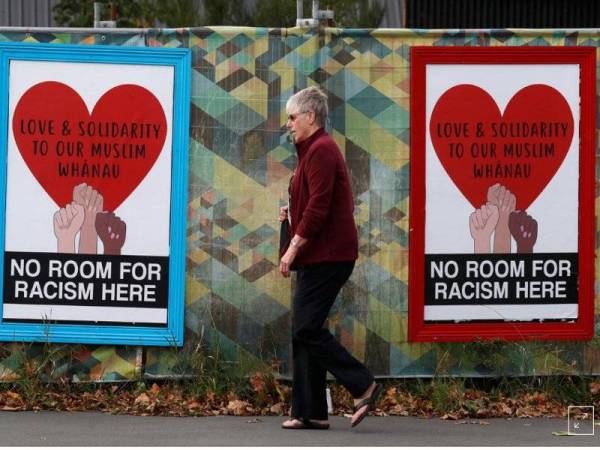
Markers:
point(502, 193)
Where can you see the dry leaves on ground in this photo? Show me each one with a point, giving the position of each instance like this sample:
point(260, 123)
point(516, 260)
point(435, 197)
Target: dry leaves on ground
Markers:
point(270, 397)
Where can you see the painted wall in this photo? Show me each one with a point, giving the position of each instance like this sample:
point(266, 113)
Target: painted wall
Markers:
point(237, 305)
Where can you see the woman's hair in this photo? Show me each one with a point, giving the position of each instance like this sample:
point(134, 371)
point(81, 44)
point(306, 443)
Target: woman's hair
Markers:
point(309, 99)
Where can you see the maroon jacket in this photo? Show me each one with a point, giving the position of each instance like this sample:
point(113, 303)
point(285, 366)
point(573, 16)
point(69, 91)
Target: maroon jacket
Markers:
point(321, 203)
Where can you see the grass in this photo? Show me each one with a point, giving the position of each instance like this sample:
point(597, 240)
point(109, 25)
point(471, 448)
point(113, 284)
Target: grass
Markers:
point(206, 379)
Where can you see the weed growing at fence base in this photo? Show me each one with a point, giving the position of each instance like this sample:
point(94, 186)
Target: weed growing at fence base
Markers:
point(208, 381)
point(262, 393)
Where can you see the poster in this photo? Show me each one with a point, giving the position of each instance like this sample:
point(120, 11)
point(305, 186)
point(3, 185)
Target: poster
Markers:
point(502, 226)
point(96, 161)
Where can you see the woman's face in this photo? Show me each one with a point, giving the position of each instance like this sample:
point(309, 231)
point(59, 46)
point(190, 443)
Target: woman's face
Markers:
point(300, 124)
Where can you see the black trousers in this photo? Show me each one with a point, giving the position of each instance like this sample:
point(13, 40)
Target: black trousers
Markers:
point(315, 351)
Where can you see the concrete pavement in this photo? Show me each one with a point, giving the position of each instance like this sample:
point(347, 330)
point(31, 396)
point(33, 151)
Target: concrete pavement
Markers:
point(99, 429)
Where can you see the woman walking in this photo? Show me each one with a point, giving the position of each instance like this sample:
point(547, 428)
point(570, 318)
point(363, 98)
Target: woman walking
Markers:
point(323, 250)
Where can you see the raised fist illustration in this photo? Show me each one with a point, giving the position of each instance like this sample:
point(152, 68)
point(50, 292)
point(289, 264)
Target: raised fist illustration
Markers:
point(506, 202)
point(482, 222)
point(67, 223)
point(504, 199)
point(524, 229)
point(112, 232)
point(93, 203)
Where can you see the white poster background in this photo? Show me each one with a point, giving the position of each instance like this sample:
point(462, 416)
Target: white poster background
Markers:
point(30, 210)
point(556, 209)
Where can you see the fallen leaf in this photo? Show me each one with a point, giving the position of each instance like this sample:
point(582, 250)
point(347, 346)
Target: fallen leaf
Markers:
point(237, 407)
point(155, 389)
point(472, 395)
point(142, 398)
point(194, 405)
point(210, 396)
point(277, 408)
point(14, 395)
point(258, 382)
point(398, 409)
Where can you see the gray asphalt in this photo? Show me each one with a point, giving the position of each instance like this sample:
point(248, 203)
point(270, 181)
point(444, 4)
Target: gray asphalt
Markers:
point(98, 429)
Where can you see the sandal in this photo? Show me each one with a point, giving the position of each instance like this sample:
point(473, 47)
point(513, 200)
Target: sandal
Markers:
point(305, 424)
point(369, 402)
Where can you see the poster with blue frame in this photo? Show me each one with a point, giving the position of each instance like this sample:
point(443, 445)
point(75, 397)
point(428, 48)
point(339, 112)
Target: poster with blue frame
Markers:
point(94, 158)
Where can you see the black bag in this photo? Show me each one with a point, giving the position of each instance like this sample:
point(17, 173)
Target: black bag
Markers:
point(284, 238)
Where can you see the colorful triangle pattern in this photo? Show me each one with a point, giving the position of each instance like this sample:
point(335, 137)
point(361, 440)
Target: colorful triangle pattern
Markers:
point(237, 305)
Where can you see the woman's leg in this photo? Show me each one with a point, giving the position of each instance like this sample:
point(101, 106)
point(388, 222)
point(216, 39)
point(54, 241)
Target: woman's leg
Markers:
point(317, 409)
point(317, 287)
point(309, 399)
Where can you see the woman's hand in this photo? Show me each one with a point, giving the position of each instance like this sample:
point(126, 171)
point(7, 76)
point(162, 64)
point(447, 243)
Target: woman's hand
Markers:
point(283, 213)
point(286, 261)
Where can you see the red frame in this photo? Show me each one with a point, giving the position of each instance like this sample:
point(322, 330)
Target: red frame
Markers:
point(583, 327)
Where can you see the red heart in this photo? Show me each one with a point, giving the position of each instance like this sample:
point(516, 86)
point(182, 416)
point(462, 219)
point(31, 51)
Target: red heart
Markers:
point(118, 142)
point(539, 117)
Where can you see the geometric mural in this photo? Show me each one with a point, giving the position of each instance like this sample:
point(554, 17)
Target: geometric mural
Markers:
point(237, 304)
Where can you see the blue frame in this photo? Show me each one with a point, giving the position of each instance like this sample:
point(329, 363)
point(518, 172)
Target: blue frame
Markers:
point(180, 60)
